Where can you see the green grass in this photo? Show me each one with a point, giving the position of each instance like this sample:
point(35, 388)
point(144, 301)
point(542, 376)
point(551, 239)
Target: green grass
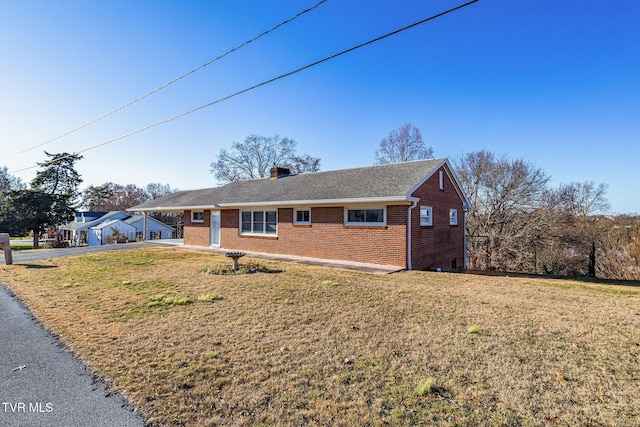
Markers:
point(209, 297)
point(427, 387)
point(476, 329)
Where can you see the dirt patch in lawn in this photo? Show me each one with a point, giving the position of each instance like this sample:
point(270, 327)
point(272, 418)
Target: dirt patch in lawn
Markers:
point(304, 345)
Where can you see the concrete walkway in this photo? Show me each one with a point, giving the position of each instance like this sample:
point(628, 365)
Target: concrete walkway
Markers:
point(42, 384)
point(348, 265)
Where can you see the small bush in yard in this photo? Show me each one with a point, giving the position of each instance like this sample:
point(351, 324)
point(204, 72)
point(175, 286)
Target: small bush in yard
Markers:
point(226, 269)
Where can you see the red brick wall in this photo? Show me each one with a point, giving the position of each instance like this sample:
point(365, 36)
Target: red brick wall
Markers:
point(326, 237)
point(438, 245)
point(197, 233)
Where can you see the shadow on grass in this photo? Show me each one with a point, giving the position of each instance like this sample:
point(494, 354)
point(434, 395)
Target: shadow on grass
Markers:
point(581, 279)
point(38, 266)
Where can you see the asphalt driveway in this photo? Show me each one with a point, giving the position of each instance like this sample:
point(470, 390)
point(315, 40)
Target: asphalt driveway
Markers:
point(28, 256)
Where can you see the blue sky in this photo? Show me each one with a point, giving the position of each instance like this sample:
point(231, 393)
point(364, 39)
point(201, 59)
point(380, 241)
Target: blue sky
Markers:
point(555, 83)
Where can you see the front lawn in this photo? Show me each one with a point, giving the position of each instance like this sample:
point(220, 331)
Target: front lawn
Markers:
point(286, 344)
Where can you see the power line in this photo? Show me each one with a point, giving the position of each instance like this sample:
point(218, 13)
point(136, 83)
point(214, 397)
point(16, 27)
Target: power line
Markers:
point(159, 88)
point(290, 73)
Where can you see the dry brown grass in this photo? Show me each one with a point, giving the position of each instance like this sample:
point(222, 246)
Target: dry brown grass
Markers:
point(304, 345)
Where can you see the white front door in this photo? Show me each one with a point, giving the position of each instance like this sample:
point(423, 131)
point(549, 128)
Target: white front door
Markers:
point(215, 228)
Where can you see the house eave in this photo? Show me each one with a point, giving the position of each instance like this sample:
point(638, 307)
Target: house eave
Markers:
point(405, 200)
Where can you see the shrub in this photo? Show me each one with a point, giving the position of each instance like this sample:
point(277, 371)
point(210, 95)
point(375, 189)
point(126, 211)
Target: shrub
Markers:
point(226, 269)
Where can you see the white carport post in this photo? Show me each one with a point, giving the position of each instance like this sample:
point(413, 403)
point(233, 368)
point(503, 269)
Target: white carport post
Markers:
point(145, 227)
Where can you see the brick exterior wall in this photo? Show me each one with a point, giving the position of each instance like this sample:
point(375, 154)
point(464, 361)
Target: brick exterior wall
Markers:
point(197, 233)
point(326, 237)
point(437, 246)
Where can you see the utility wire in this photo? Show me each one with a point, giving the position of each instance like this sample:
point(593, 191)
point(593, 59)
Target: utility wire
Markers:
point(217, 101)
point(140, 98)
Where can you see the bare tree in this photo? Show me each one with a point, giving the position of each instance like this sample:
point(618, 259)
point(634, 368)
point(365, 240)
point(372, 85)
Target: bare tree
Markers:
point(114, 197)
point(403, 145)
point(155, 190)
point(585, 198)
point(507, 196)
point(254, 157)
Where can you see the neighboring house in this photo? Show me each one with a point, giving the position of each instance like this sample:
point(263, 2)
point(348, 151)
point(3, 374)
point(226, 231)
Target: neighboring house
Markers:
point(155, 229)
point(78, 232)
point(410, 215)
point(101, 234)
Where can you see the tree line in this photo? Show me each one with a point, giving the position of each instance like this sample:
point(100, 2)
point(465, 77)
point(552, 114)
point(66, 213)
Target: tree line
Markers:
point(520, 223)
point(53, 196)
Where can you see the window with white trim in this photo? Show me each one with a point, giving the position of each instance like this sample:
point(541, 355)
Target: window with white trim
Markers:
point(426, 216)
point(197, 216)
point(302, 216)
point(441, 175)
point(453, 216)
point(259, 222)
point(366, 216)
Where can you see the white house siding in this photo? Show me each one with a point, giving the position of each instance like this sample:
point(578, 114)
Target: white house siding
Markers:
point(99, 235)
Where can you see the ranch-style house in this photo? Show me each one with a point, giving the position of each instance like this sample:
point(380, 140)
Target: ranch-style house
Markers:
point(410, 215)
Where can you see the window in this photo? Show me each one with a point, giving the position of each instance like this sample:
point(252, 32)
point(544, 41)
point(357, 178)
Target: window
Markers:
point(258, 222)
point(197, 216)
point(441, 174)
point(302, 216)
point(453, 216)
point(365, 216)
point(426, 215)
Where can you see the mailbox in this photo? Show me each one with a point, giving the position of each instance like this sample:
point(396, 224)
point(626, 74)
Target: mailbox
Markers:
point(5, 245)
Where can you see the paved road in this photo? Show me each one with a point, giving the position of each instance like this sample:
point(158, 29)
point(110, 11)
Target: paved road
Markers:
point(43, 384)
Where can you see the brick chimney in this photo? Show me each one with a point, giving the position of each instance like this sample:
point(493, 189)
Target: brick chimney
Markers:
point(277, 172)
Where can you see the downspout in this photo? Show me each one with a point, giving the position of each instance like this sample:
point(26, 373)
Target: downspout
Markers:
point(464, 256)
point(414, 203)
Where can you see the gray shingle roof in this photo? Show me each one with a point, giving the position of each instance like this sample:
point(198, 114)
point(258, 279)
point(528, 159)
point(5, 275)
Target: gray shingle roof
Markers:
point(392, 181)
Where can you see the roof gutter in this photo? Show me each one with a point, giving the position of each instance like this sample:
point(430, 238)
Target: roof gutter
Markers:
point(281, 203)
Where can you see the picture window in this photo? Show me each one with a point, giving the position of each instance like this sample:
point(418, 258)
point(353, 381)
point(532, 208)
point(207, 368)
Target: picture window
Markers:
point(259, 222)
